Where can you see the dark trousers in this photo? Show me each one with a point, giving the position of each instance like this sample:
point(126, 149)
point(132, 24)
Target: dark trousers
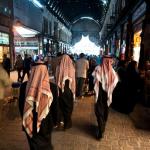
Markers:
point(101, 110)
point(91, 84)
point(80, 84)
point(25, 71)
point(19, 74)
point(42, 140)
point(66, 106)
point(55, 106)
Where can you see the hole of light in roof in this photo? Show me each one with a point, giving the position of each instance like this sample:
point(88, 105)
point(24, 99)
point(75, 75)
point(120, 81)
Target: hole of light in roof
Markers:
point(90, 18)
point(104, 2)
point(85, 46)
point(37, 3)
point(87, 18)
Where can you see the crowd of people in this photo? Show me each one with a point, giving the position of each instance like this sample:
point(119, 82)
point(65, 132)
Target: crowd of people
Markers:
point(45, 104)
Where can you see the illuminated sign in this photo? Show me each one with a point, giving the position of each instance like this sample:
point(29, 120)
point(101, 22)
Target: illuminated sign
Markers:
point(4, 38)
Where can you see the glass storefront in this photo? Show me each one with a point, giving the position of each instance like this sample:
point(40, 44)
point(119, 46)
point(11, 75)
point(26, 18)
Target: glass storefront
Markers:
point(4, 50)
point(123, 42)
point(25, 40)
point(137, 20)
point(26, 46)
point(4, 38)
point(4, 45)
point(117, 43)
point(117, 47)
point(137, 43)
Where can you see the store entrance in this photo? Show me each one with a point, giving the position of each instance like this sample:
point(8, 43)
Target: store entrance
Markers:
point(4, 50)
point(137, 43)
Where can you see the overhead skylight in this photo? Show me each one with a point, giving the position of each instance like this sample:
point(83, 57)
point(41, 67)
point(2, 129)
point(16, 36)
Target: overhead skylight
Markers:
point(37, 3)
point(87, 18)
point(104, 2)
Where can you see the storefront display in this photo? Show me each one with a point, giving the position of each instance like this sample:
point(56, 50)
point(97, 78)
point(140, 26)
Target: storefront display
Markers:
point(117, 47)
point(137, 43)
point(123, 49)
point(117, 43)
point(137, 20)
point(113, 45)
point(4, 45)
point(25, 40)
point(26, 46)
point(137, 39)
point(4, 50)
point(123, 42)
point(47, 45)
point(4, 38)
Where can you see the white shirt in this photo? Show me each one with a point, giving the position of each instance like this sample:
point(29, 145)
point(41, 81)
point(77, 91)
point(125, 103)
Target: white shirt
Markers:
point(82, 65)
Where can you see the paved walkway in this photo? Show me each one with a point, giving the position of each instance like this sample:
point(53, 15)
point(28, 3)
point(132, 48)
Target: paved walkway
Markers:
point(120, 132)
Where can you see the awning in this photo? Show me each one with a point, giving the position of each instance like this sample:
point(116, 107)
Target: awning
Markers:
point(25, 32)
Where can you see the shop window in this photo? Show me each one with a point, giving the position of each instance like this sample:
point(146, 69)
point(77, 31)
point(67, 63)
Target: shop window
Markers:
point(4, 38)
point(3, 50)
point(137, 43)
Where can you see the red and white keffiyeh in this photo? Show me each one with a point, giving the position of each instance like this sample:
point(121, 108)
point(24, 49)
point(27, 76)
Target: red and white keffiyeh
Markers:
point(64, 71)
point(37, 91)
point(107, 76)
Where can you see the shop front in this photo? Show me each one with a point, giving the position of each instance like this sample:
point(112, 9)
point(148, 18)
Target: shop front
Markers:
point(118, 36)
point(26, 46)
point(63, 47)
point(113, 45)
point(26, 41)
point(47, 45)
point(123, 42)
point(137, 45)
point(137, 20)
point(4, 45)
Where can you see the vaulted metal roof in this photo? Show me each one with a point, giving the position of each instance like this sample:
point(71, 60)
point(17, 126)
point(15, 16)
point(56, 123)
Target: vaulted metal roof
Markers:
point(71, 10)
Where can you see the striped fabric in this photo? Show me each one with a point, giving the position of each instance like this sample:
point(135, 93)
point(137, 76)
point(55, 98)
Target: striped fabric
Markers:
point(38, 91)
point(64, 71)
point(107, 76)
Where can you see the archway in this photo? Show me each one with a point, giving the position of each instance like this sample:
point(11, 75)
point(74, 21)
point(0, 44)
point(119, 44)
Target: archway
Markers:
point(85, 26)
point(85, 46)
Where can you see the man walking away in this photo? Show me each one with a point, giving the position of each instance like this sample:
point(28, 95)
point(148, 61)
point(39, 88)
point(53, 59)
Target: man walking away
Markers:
point(82, 65)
